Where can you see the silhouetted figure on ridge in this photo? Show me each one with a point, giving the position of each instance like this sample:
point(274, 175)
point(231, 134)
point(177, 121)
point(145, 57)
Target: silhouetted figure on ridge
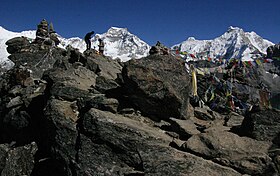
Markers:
point(87, 39)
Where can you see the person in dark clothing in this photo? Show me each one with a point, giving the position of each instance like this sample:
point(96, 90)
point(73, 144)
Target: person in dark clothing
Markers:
point(87, 39)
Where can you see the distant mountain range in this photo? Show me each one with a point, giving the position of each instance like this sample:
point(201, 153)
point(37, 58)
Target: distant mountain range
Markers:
point(234, 43)
point(120, 43)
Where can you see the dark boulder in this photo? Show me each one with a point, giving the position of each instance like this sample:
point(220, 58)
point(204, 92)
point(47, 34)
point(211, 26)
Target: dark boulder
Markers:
point(16, 44)
point(154, 50)
point(184, 128)
point(16, 123)
point(233, 119)
point(159, 49)
point(103, 84)
point(107, 71)
point(71, 83)
point(57, 137)
point(273, 51)
point(37, 60)
point(158, 86)
point(17, 161)
point(262, 125)
point(4, 148)
point(98, 102)
point(244, 154)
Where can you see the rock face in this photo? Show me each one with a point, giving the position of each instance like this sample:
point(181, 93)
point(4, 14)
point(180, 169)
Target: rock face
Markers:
point(152, 87)
point(273, 51)
point(37, 56)
point(159, 49)
point(263, 125)
point(17, 161)
point(244, 154)
point(66, 113)
point(139, 150)
point(16, 44)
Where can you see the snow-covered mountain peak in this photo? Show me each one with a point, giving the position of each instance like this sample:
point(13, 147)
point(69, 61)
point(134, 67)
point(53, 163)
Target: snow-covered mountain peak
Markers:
point(191, 39)
point(234, 43)
point(235, 29)
point(120, 43)
point(117, 31)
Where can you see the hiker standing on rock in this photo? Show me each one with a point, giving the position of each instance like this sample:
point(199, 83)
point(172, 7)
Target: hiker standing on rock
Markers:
point(87, 39)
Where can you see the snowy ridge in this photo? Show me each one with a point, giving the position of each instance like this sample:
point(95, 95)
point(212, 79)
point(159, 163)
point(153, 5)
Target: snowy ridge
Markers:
point(5, 35)
point(119, 43)
point(235, 43)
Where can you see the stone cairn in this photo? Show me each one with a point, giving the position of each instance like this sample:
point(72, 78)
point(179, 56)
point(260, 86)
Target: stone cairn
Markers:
point(53, 35)
point(46, 34)
point(159, 49)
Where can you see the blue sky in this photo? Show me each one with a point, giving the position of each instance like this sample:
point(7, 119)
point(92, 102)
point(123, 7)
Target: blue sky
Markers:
point(169, 21)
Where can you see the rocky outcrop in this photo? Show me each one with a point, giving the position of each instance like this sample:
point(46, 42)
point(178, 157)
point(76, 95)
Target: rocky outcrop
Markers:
point(37, 56)
point(151, 86)
point(263, 125)
point(17, 44)
point(159, 49)
point(17, 160)
point(134, 148)
point(66, 113)
point(244, 154)
point(273, 51)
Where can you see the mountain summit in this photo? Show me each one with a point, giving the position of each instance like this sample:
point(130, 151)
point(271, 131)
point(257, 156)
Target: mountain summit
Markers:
point(234, 43)
point(119, 43)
